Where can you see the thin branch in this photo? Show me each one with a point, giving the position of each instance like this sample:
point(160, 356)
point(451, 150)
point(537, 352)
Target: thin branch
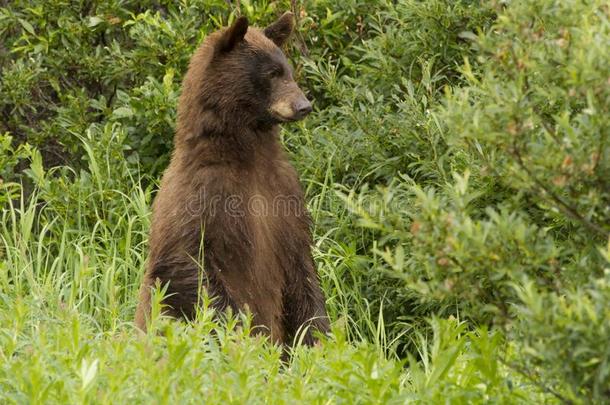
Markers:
point(546, 126)
point(535, 381)
point(562, 204)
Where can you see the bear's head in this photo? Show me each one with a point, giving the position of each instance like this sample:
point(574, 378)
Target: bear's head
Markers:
point(240, 78)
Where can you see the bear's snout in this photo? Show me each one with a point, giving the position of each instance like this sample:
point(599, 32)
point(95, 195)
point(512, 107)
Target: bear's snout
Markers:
point(301, 107)
point(292, 105)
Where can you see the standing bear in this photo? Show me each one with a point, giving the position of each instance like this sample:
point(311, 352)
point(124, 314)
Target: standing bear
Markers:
point(230, 214)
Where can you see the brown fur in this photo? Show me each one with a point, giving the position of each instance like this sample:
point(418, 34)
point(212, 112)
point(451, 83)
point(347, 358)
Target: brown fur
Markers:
point(230, 185)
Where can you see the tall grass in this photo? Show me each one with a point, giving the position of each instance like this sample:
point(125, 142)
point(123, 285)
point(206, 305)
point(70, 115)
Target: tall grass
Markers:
point(68, 294)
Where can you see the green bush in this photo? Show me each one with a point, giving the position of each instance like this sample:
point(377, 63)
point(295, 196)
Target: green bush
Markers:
point(537, 115)
point(563, 339)
point(526, 139)
point(10, 158)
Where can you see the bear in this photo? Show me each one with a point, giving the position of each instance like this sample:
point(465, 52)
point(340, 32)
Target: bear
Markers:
point(230, 215)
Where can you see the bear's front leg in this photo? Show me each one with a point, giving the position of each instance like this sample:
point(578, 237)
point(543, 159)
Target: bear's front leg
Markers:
point(182, 282)
point(304, 305)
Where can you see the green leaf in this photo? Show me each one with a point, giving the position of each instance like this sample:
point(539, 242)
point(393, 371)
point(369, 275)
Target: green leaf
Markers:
point(94, 21)
point(123, 112)
point(27, 26)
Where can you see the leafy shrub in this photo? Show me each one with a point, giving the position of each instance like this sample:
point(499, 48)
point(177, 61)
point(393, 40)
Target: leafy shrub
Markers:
point(523, 214)
point(562, 340)
point(66, 71)
point(10, 158)
point(446, 249)
point(537, 115)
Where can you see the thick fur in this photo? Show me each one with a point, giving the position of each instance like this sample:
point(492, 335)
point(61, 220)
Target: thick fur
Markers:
point(230, 195)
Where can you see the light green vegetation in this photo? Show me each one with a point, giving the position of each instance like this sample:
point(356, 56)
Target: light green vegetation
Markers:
point(457, 167)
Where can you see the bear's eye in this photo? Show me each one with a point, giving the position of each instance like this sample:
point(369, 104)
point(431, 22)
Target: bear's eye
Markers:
point(276, 71)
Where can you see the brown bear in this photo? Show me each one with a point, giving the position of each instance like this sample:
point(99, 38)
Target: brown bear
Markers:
point(230, 214)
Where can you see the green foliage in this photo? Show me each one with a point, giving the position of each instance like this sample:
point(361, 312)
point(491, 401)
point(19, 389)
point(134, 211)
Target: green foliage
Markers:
point(10, 157)
point(378, 92)
point(538, 113)
point(71, 66)
point(563, 337)
point(447, 250)
point(456, 169)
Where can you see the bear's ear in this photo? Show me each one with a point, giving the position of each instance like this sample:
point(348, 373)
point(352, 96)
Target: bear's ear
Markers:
point(280, 30)
point(233, 35)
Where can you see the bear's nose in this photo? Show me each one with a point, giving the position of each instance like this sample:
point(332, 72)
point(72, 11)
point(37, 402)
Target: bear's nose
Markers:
point(302, 107)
